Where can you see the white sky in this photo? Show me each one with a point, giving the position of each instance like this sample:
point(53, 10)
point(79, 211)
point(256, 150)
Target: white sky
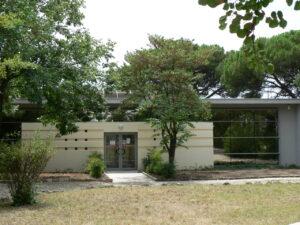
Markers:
point(128, 22)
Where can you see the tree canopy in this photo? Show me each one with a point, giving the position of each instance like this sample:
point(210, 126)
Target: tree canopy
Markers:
point(47, 57)
point(160, 80)
point(282, 51)
point(244, 15)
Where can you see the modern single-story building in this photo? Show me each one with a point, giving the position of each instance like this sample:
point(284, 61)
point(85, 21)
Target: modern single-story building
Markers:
point(123, 145)
point(270, 125)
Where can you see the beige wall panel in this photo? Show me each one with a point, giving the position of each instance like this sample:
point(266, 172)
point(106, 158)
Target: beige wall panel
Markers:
point(81, 134)
point(69, 160)
point(28, 134)
point(90, 149)
point(202, 126)
point(199, 142)
point(194, 158)
point(93, 144)
point(37, 126)
point(202, 133)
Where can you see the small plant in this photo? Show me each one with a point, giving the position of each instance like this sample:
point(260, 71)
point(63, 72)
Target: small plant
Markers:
point(153, 163)
point(21, 164)
point(168, 170)
point(95, 165)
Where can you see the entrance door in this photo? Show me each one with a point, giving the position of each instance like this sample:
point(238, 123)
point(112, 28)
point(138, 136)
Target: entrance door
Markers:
point(120, 150)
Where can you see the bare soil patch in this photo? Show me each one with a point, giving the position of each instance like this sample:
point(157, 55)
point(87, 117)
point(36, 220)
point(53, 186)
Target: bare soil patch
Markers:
point(59, 177)
point(183, 175)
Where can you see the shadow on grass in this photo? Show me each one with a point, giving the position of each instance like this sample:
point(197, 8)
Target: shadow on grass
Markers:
point(7, 206)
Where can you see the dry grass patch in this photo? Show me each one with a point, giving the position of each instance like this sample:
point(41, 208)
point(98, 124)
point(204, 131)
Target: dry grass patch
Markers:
point(201, 204)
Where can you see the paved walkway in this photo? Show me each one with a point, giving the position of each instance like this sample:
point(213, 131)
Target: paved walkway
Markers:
point(129, 177)
point(137, 178)
point(236, 181)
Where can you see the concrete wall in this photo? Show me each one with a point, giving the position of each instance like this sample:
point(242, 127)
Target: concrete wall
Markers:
point(289, 135)
point(90, 138)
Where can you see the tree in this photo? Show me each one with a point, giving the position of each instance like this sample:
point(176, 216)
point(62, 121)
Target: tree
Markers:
point(244, 15)
point(283, 52)
point(160, 81)
point(48, 57)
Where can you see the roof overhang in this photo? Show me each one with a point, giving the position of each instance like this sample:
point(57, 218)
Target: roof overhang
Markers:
point(252, 103)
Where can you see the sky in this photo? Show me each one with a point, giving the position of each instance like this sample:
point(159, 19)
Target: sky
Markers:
point(129, 22)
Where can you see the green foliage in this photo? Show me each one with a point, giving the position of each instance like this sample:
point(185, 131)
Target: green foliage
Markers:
point(153, 163)
point(238, 77)
point(95, 165)
point(168, 170)
point(95, 155)
point(244, 15)
point(160, 81)
point(278, 68)
point(47, 57)
point(21, 164)
point(247, 145)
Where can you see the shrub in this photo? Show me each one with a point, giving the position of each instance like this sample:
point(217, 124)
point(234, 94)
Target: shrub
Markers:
point(95, 155)
point(153, 163)
point(168, 170)
point(95, 165)
point(21, 164)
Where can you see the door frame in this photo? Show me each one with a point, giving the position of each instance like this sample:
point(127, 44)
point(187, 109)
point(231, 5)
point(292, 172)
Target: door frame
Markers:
point(135, 147)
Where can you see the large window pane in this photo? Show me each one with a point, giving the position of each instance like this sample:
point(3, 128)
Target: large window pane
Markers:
point(221, 129)
point(265, 129)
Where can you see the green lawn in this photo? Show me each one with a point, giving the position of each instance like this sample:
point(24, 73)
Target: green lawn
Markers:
point(202, 204)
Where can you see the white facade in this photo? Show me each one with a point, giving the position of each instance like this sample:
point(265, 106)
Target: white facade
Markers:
point(72, 150)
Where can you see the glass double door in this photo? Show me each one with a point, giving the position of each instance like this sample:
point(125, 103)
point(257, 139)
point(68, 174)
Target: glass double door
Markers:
point(120, 150)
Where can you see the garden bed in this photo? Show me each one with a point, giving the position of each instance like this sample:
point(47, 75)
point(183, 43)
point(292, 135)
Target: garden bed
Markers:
point(183, 175)
point(63, 177)
point(69, 177)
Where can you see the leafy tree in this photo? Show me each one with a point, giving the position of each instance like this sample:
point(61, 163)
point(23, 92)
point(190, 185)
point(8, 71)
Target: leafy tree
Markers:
point(47, 57)
point(244, 15)
point(159, 80)
point(283, 51)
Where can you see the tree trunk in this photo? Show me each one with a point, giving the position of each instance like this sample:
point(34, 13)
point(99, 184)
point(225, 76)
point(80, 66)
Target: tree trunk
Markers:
point(3, 88)
point(1, 104)
point(172, 150)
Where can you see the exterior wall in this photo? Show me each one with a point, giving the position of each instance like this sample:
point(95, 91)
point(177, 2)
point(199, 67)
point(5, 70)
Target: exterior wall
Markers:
point(289, 135)
point(90, 138)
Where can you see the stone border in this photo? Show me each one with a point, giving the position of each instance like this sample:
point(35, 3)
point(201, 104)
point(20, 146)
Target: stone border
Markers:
point(150, 176)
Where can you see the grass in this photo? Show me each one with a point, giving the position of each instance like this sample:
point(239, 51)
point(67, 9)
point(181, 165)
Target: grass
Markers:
point(189, 204)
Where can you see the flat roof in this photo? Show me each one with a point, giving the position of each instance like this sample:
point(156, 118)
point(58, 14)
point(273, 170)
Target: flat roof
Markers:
point(116, 99)
point(251, 102)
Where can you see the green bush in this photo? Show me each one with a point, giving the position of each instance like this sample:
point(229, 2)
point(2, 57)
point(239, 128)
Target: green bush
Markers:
point(153, 163)
point(168, 170)
point(95, 155)
point(95, 165)
point(21, 164)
